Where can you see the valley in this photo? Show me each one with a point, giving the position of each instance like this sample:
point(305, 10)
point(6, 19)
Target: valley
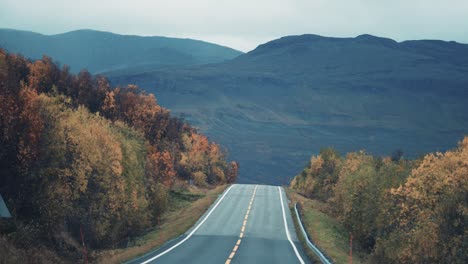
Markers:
point(274, 105)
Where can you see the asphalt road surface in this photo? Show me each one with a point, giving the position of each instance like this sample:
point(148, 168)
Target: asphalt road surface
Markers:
point(246, 224)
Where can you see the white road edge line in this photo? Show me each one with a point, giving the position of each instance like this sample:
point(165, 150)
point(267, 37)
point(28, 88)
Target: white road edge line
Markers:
point(287, 230)
point(191, 233)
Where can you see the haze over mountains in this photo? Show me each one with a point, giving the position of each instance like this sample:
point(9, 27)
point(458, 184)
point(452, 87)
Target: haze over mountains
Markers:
point(276, 105)
point(99, 51)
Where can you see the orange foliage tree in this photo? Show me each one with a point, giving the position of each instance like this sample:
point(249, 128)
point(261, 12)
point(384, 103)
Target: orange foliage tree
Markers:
point(426, 218)
point(160, 167)
point(232, 172)
point(75, 151)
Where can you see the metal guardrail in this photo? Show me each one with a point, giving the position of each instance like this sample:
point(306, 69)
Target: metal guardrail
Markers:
point(309, 243)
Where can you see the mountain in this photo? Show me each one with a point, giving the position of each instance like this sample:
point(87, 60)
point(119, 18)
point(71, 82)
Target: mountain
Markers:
point(289, 97)
point(100, 51)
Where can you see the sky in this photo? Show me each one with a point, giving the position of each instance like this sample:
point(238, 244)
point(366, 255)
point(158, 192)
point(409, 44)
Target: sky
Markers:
point(244, 24)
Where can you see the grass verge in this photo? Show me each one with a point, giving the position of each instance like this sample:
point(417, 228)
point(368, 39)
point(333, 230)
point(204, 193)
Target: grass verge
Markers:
point(326, 232)
point(312, 257)
point(10, 254)
point(186, 209)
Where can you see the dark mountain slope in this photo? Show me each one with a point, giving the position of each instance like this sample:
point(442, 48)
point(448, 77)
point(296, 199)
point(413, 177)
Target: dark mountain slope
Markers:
point(103, 51)
point(275, 104)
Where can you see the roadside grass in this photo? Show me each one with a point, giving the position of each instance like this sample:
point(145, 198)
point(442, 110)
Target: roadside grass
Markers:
point(325, 231)
point(10, 254)
point(312, 257)
point(185, 209)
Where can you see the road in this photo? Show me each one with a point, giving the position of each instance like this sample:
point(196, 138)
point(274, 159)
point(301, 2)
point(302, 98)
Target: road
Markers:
point(246, 224)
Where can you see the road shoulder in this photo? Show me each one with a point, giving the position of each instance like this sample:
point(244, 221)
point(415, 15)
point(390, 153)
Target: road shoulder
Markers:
point(171, 230)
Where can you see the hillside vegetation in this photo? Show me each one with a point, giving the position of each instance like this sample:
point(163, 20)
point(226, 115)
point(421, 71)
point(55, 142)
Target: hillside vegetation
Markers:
point(398, 210)
point(79, 158)
point(273, 105)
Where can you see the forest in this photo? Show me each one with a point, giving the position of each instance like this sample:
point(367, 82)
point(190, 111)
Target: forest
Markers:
point(81, 158)
point(398, 210)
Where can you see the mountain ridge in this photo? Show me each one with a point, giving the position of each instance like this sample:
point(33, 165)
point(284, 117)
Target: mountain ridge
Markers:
point(296, 94)
point(101, 51)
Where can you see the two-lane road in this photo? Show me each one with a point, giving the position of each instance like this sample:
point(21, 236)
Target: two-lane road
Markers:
point(247, 224)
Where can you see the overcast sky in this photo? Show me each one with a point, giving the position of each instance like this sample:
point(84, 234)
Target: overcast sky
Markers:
point(244, 24)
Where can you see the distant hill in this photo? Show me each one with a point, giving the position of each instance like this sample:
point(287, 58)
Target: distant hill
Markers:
point(103, 51)
point(274, 105)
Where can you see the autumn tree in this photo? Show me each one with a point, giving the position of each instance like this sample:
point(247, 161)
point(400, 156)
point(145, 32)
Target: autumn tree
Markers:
point(160, 167)
point(425, 219)
point(194, 159)
point(203, 161)
point(318, 178)
point(356, 198)
point(109, 106)
point(216, 164)
point(399, 210)
point(354, 189)
point(233, 170)
point(89, 174)
point(76, 152)
point(43, 75)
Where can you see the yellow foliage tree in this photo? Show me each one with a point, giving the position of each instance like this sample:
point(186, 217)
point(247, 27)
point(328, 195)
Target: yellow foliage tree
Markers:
point(427, 216)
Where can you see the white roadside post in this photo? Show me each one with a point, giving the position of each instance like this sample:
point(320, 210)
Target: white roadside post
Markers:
point(4, 212)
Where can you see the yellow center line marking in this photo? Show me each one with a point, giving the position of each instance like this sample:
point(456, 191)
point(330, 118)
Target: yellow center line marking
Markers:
point(236, 247)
